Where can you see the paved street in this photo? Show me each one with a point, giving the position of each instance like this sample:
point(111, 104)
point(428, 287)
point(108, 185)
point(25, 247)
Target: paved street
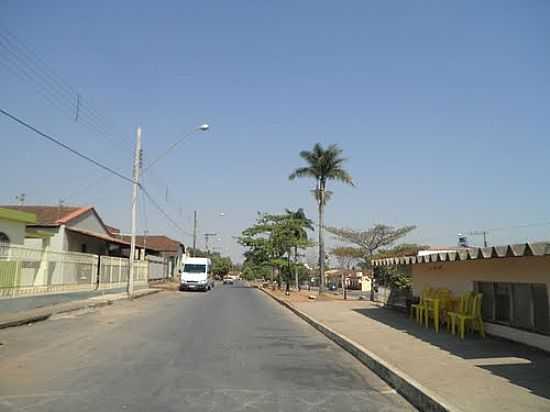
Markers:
point(232, 349)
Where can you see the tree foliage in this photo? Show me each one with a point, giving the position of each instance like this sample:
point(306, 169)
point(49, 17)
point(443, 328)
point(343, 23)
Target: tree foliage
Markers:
point(272, 238)
point(372, 239)
point(347, 255)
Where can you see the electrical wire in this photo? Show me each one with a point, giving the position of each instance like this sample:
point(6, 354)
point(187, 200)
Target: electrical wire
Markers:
point(64, 146)
point(26, 54)
point(25, 65)
point(163, 212)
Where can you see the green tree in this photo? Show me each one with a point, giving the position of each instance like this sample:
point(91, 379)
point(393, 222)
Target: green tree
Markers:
point(221, 265)
point(271, 239)
point(347, 255)
point(303, 224)
point(371, 240)
point(322, 165)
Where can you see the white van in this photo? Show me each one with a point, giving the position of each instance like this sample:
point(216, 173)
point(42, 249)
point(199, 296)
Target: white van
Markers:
point(196, 274)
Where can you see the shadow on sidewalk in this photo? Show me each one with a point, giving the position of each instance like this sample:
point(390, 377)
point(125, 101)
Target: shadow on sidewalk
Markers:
point(519, 364)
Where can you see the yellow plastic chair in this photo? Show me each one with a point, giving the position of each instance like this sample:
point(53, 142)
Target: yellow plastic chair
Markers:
point(473, 318)
point(418, 309)
point(435, 308)
point(463, 306)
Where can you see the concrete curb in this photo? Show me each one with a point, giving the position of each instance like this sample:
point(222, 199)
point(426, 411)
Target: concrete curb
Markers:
point(421, 397)
point(86, 304)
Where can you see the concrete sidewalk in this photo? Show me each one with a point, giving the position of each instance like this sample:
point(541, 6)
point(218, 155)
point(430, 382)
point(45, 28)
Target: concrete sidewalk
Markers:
point(39, 314)
point(469, 375)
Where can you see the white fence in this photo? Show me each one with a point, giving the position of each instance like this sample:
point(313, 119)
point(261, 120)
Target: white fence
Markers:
point(27, 271)
point(114, 271)
point(158, 268)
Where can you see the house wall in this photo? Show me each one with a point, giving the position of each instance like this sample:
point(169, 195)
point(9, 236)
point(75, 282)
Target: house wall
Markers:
point(89, 222)
point(93, 245)
point(459, 277)
point(14, 230)
point(56, 242)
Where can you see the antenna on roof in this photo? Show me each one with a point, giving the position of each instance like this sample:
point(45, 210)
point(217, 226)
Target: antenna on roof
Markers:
point(60, 208)
point(21, 198)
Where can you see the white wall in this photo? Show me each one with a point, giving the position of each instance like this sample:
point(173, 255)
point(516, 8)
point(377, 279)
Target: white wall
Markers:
point(89, 222)
point(14, 230)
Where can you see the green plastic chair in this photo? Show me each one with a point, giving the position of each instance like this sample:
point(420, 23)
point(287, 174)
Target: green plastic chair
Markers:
point(472, 318)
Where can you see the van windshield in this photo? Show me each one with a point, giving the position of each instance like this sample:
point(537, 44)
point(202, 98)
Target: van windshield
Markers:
point(189, 268)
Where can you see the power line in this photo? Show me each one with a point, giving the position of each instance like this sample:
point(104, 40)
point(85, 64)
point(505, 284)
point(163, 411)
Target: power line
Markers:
point(25, 52)
point(161, 210)
point(66, 147)
point(24, 64)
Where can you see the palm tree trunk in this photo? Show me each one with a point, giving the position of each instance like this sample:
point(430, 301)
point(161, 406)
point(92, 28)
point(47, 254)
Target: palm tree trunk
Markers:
point(321, 237)
point(296, 268)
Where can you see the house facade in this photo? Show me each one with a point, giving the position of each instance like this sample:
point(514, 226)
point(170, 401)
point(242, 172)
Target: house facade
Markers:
point(514, 281)
point(69, 229)
point(13, 225)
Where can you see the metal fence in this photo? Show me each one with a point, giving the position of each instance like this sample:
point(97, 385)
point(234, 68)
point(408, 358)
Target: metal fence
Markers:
point(28, 271)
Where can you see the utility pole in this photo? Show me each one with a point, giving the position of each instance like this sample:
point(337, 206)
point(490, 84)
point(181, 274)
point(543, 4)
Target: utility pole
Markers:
point(481, 233)
point(206, 237)
point(135, 177)
point(194, 232)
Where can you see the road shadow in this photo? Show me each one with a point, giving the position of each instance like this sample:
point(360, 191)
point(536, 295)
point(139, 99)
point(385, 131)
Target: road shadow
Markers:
point(520, 364)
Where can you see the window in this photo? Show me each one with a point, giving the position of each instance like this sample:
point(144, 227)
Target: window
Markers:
point(4, 244)
point(4, 238)
point(83, 248)
point(190, 268)
point(521, 305)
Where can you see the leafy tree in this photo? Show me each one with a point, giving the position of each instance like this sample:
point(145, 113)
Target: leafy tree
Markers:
point(270, 242)
point(371, 240)
point(322, 165)
point(303, 224)
point(347, 255)
point(221, 265)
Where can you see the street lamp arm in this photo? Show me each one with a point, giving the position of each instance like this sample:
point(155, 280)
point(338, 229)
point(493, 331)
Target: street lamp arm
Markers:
point(202, 128)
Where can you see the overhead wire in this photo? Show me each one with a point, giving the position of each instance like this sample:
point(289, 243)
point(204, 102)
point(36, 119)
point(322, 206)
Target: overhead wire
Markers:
point(96, 163)
point(34, 59)
point(21, 63)
point(64, 146)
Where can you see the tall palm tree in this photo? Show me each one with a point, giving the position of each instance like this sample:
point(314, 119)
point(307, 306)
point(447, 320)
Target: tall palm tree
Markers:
point(303, 223)
point(322, 165)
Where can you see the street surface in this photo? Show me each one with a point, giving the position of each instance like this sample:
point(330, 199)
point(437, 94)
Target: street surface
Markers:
point(231, 349)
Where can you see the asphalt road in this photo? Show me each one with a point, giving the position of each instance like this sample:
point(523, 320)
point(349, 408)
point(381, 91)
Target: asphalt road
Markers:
point(231, 349)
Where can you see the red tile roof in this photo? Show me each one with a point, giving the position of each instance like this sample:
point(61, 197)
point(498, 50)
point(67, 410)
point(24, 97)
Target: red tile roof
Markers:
point(51, 215)
point(99, 236)
point(158, 242)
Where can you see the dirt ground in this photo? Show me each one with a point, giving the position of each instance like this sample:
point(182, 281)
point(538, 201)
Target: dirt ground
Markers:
point(304, 296)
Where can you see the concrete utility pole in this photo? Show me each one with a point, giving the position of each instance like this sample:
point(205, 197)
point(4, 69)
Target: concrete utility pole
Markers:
point(206, 237)
point(137, 167)
point(194, 232)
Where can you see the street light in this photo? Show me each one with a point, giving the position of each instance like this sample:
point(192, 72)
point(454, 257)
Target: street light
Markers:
point(202, 128)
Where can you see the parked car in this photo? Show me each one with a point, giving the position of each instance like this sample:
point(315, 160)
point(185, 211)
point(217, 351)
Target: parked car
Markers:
point(228, 280)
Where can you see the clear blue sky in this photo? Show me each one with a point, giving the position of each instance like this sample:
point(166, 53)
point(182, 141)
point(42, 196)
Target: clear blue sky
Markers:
point(441, 107)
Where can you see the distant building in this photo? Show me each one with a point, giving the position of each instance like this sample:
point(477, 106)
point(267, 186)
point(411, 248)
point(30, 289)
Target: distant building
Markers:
point(163, 246)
